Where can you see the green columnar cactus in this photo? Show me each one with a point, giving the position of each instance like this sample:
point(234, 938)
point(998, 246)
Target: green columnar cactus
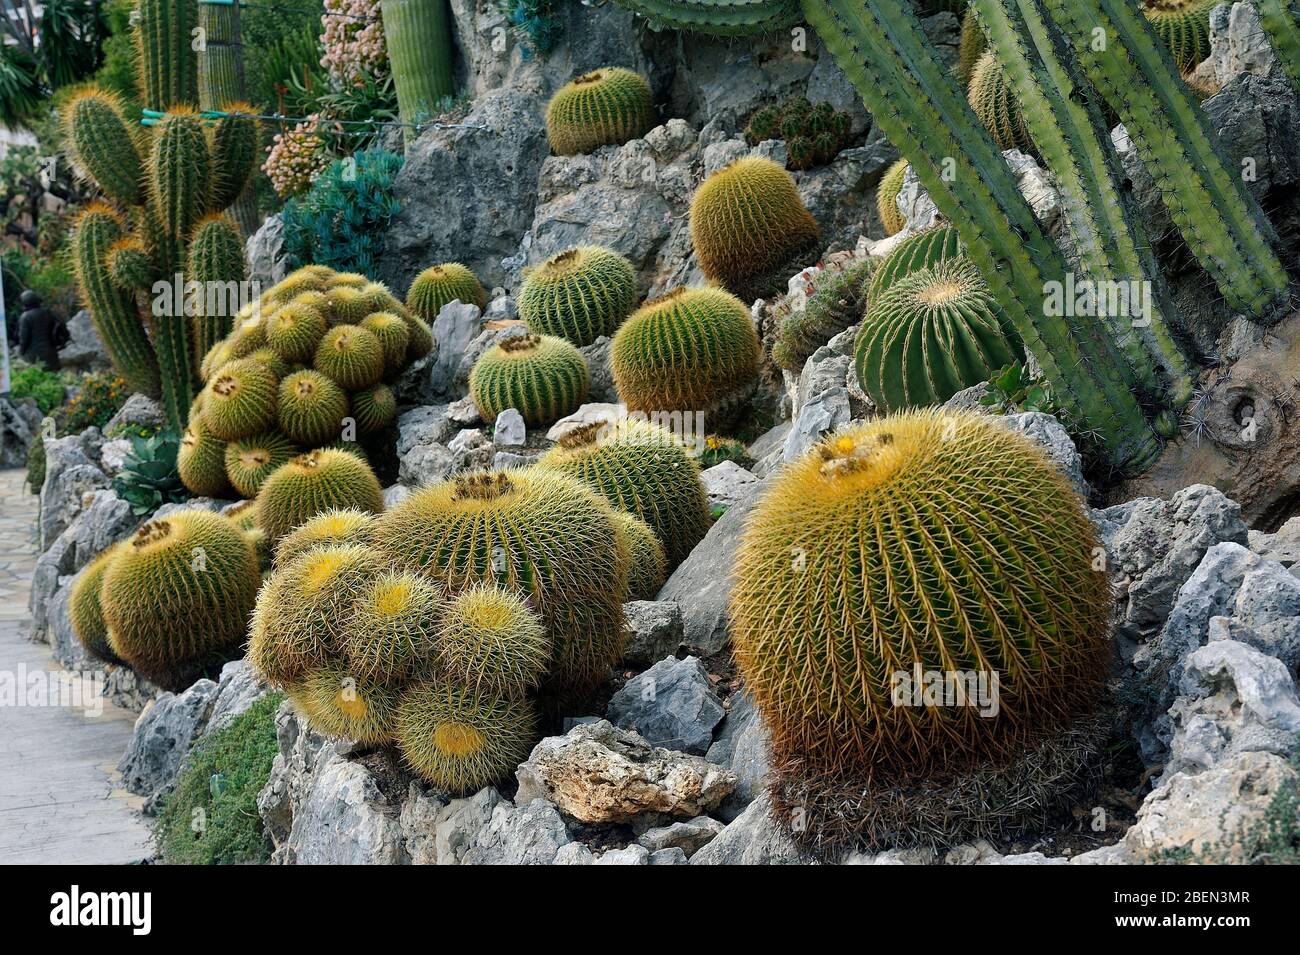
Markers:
point(994, 102)
point(925, 541)
point(1281, 21)
point(201, 460)
point(85, 609)
point(129, 264)
point(579, 294)
point(418, 36)
point(837, 301)
point(251, 460)
point(608, 106)
point(112, 310)
point(891, 184)
point(644, 470)
point(750, 229)
point(719, 17)
point(1184, 26)
point(932, 334)
point(236, 149)
point(533, 531)
point(180, 173)
point(439, 284)
point(393, 627)
point(1209, 204)
point(312, 408)
point(99, 139)
point(177, 596)
point(692, 350)
point(216, 252)
point(647, 562)
point(167, 65)
point(491, 641)
point(314, 482)
point(345, 525)
point(540, 376)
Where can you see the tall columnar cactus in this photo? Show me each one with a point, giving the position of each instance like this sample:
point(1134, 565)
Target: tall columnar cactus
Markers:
point(1281, 21)
point(418, 36)
point(607, 106)
point(750, 229)
point(101, 141)
point(236, 148)
point(720, 17)
point(167, 64)
point(922, 543)
point(216, 256)
point(542, 377)
point(579, 294)
point(112, 311)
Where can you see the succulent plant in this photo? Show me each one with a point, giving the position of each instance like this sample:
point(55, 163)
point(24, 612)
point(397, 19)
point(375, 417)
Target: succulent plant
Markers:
point(251, 460)
point(317, 481)
point(1184, 26)
point(461, 739)
point(579, 294)
point(421, 342)
point(439, 284)
point(394, 335)
point(837, 301)
point(216, 256)
point(541, 376)
point(99, 140)
point(346, 525)
point(918, 543)
point(691, 350)
point(241, 399)
point(294, 331)
point(351, 356)
point(970, 47)
point(346, 305)
point(419, 45)
point(392, 627)
point(177, 596)
point(604, 107)
point(647, 563)
point(201, 460)
point(311, 408)
point(933, 333)
point(644, 470)
point(164, 37)
point(891, 184)
point(533, 531)
point(813, 134)
point(750, 229)
point(148, 477)
point(916, 252)
point(374, 409)
point(491, 642)
point(994, 102)
point(336, 702)
point(85, 609)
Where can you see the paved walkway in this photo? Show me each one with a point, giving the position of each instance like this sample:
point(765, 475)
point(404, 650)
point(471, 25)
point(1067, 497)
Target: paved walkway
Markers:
point(59, 801)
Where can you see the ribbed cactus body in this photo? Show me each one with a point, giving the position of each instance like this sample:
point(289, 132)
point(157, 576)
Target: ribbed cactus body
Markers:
point(337, 703)
point(112, 310)
point(934, 332)
point(644, 470)
point(394, 334)
point(921, 251)
point(439, 284)
point(971, 46)
point(579, 294)
point(604, 107)
point(647, 562)
point(374, 409)
point(1281, 21)
point(85, 608)
point(490, 641)
point(351, 356)
point(129, 265)
point(178, 594)
point(923, 543)
point(312, 408)
point(201, 461)
point(346, 525)
point(1184, 26)
point(180, 172)
point(100, 141)
point(295, 331)
point(236, 150)
point(314, 482)
point(720, 17)
point(692, 350)
point(539, 533)
point(750, 229)
point(837, 301)
point(251, 460)
point(542, 377)
point(392, 628)
point(216, 251)
point(994, 102)
point(241, 400)
point(891, 184)
point(418, 36)
point(421, 342)
point(167, 65)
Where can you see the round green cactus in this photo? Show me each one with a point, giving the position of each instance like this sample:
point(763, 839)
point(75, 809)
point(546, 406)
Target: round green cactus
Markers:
point(294, 332)
point(544, 378)
point(994, 102)
point(350, 355)
point(421, 342)
point(644, 470)
point(891, 184)
point(298, 282)
point(692, 350)
point(251, 460)
point(490, 641)
point(338, 703)
point(394, 336)
point(918, 544)
point(314, 482)
point(374, 409)
point(460, 739)
point(439, 284)
point(1184, 26)
point(933, 333)
point(920, 251)
point(85, 609)
point(241, 400)
point(392, 628)
point(272, 360)
point(837, 301)
point(647, 562)
point(750, 229)
point(346, 525)
point(248, 336)
point(605, 107)
point(312, 408)
point(346, 305)
point(536, 532)
point(579, 294)
point(177, 596)
point(201, 460)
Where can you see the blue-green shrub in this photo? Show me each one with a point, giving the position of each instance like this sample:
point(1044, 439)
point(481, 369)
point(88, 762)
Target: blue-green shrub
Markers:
point(341, 220)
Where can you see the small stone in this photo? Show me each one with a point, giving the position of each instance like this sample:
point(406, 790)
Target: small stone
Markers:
point(672, 704)
point(654, 630)
point(689, 836)
point(727, 483)
point(508, 430)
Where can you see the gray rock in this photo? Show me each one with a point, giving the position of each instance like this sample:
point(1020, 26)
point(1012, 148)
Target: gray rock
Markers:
point(456, 826)
point(726, 483)
point(821, 403)
point(463, 413)
point(1050, 435)
point(654, 630)
point(690, 836)
point(600, 386)
point(467, 193)
point(590, 413)
point(574, 853)
point(742, 745)
point(423, 425)
point(768, 450)
point(670, 856)
point(85, 349)
point(753, 838)
point(71, 471)
point(62, 638)
point(841, 194)
point(344, 819)
point(632, 855)
point(1238, 43)
point(1257, 119)
point(139, 410)
point(267, 262)
point(113, 455)
point(163, 735)
point(1283, 545)
point(19, 426)
point(418, 820)
point(519, 835)
point(238, 688)
point(395, 494)
point(508, 430)
point(672, 704)
point(425, 464)
point(455, 328)
point(1268, 605)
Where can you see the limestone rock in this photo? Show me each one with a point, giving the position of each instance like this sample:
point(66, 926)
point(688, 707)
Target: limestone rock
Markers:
point(672, 704)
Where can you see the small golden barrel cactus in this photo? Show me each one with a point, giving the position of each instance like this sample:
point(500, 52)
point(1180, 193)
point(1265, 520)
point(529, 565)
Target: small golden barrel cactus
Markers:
point(542, 377)
point(295, 331)
point(374, 408)
point(392, 627)
point(891, 184)
point(920, 547)
point(579, 294)
point(250, 461)
point(394, 334)
point(994, 102)
point(647, 562)
point(439, 284)
point(201, 460)
point(312, 407)
point(86, 611)
point(750, 229)
point(605, 107)
point(337, 702)
point(351, 356)
point(345, 525)
point(490, 641)
point(241, 400)
point(314, 482)
point(916, 252)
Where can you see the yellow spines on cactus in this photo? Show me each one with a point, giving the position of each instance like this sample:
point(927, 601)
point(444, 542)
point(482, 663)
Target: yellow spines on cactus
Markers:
point(129, 265)
point(920, 543)
point(647, 562)
point(534, 531)
point(343, 525)
point(298, 282)
point(314, 482)
point(86, 611)
point(346, 305)
point(692, 350)
point(241, 399)
point(439, 284)
point(542, 377)
point(350, 355)
point(201, 460)
point(248, 336)
point(750, 229)
point(392, 627)
point(421, 342)
point(101, 144)
point(295, 331)
point(604, 107)
point(490, 641)
point(644, 470)
point(374, 409)
point(891, 183)
point(337, 702)
point(579, 294)
point(460, 739)
point(251, 460)
point(971, 46)
point(1184, 26)
point(177, 597)
point(994, 102)
point(312, 408)
point(394, 336)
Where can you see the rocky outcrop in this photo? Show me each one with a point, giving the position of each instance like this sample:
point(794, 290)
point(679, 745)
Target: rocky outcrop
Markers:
point(20, 423)
point(672, 704)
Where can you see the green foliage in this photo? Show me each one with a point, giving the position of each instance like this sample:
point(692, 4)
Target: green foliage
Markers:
point(341, 220)
point(36, 465)
point(44, 51)
point(719, 17)
point(718, 449)
point(33, 381)
point(536, 23)
point(814, 135)
point(579, 294)
point(604, 107)
point(219, 782)
point(149, 478)
point(1010, 389)
point(99, 396)
point(542, 377)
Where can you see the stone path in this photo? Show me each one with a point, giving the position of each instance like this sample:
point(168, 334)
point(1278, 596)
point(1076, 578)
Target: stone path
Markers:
point(59, 802)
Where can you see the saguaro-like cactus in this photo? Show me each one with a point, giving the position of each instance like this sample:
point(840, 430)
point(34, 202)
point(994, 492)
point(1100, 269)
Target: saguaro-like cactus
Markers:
point(168, 66)
point(418, 33)
point(1281, 21)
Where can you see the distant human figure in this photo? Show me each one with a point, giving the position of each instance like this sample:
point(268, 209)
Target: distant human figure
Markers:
point(41, 333)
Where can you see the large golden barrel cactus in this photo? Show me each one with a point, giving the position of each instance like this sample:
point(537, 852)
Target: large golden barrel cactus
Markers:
point(86, 611)
point(995, 103)
point(921, 543)
point(579, 294)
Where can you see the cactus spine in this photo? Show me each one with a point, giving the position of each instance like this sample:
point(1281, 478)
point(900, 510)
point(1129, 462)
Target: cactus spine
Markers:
point(1281, 21)
point(216, 252)
point(891, 184)
point(101, 142)
point(579, 294)
point(995, 104)
point(608, 106)
point(439, 284)
point(418, 35)
point(167, 68)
